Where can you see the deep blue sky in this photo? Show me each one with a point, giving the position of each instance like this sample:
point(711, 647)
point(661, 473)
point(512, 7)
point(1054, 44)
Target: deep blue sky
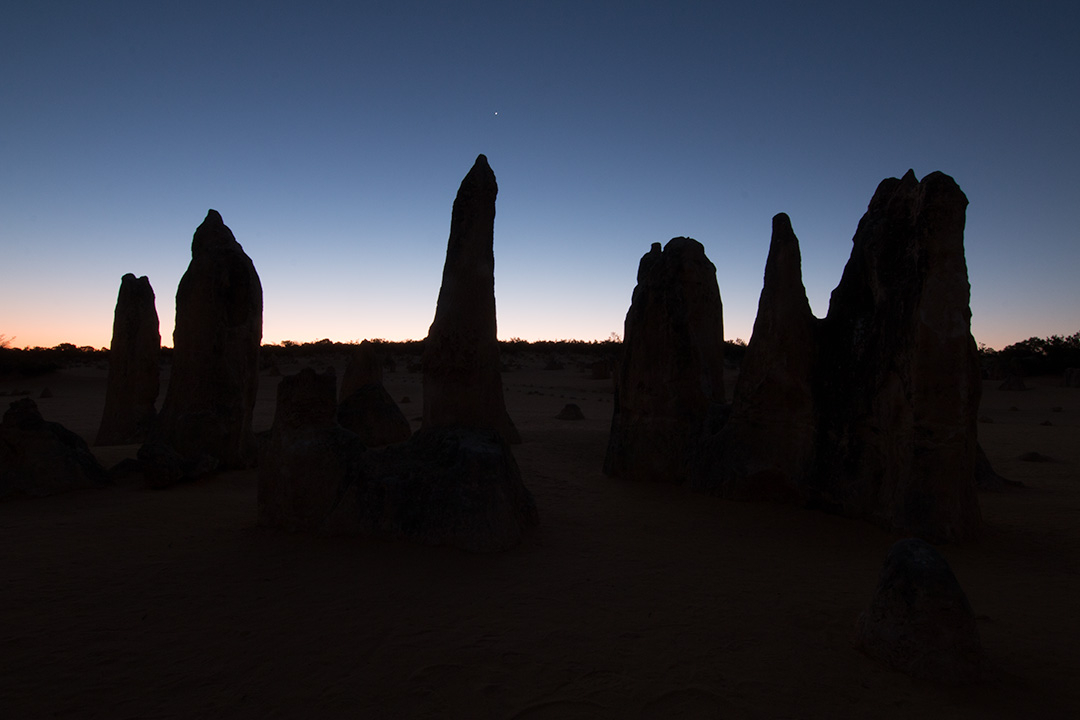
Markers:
point(332, 137)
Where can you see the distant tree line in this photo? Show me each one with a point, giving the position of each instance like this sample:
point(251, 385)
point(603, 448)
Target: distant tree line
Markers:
point(1036, 355)
point(39, 361)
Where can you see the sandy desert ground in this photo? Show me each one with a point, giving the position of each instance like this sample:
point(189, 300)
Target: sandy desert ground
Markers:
point(631, 601)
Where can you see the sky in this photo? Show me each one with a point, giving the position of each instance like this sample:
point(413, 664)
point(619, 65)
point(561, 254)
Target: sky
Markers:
point(332, 137)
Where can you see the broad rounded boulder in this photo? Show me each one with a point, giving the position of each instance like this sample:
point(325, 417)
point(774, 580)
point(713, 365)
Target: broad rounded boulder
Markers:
point(919, 620)
point(38, 457)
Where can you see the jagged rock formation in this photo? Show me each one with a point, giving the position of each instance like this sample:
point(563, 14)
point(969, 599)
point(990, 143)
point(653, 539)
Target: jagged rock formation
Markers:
point(919, 620)
point(38, 457)
point(671, 375)
point(899, 376)
point(133, 383)
point(205, 421)
point(462, 381)
point(445, 486)
point(870, 412)
point(365, 407)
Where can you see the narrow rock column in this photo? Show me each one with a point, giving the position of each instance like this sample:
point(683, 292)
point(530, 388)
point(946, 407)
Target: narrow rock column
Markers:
point(766, 448)
point(462, 380)
point(134, 352)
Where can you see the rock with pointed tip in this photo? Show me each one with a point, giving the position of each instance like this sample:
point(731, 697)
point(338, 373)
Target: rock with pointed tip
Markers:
point(462, 380)
point(208, 406)
point(765, 449)
point(134, 374)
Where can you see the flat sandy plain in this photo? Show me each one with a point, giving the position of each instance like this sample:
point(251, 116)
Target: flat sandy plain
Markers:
point(631, 600)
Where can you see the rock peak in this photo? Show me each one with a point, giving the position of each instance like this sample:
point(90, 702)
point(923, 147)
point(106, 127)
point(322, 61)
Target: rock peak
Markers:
point(462, 384)
point(213, 233)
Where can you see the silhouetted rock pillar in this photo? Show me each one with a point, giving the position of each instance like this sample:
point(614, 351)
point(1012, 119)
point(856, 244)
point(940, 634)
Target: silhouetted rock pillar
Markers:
point(207, 411)
point(898, 372)
point(766, 448)
point(462, 381)
point(133, 383)
point(672, 371)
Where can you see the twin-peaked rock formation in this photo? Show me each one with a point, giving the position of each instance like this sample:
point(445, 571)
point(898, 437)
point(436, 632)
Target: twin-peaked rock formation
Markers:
point(205, 421)
point(869, 412)
point(672, 369)
point(133, 384)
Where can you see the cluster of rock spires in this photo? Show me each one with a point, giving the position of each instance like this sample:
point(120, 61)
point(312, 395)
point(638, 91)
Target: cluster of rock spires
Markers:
point(337, 465)
point(454, 482)
point(869, 412)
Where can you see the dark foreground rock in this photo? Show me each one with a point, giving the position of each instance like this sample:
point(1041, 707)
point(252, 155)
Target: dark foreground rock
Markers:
point(38, 457)
point(444, 486)
point(919, 620)
point(1013, 383)
point(462, 380)
point(206, 416)
point(570, 411)
point(671, 374)
point(365, 407)
point(133, 384)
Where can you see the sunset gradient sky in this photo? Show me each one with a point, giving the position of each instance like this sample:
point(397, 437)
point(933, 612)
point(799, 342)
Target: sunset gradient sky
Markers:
point(332, 137)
